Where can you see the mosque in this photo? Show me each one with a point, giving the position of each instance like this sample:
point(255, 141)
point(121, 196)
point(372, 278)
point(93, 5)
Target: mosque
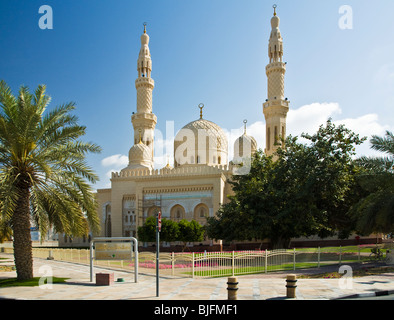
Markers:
point(197, 184)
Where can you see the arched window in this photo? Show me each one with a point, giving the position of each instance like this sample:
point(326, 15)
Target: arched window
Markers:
point(201, 212)
point(177, 213)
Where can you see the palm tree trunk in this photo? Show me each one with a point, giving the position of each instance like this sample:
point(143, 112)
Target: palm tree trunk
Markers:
point(22, 238)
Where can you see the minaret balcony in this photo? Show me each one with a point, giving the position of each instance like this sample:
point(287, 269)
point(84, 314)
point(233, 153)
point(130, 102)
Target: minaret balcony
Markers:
point(144, 81)
point(275, 66)
point(151, 117)
point(276, 103)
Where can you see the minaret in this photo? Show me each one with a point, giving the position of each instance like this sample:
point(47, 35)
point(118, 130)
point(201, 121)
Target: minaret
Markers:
point(144, 121)
point(276, 106)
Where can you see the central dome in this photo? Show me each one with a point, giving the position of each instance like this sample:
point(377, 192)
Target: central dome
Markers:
point(201, 142)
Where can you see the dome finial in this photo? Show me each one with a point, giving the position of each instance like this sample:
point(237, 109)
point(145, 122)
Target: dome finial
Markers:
point(140, 136)
point(274, 6)
point(245, 122)
point(144, 27)
point(201, 106)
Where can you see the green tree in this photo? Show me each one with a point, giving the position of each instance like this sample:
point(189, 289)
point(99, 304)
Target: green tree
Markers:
point(169, 230)
point(184, 231)
point(190, 231)
point(375, 211)
point(147, 232)
point(43, 173)
point(305, 191)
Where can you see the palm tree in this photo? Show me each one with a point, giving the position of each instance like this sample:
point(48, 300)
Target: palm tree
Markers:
point(375, 212)
point(380, 164)
point(44, 177)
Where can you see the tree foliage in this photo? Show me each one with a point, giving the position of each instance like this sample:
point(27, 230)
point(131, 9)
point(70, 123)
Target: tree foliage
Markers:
point(190, 231)
point(304, 190)
point(43, 173)
point(183, 231)
point(375, 211)
point(147, 232)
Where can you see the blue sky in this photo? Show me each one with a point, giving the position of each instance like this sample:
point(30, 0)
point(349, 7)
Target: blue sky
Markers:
point(209, 51)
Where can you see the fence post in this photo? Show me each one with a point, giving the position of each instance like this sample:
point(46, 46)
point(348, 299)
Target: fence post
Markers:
point(232, 262)
point(193, 265)
point(294, 259)
point(172, 263)
point(318, 257)
point(340, 255)
point(359, 254)
point(266, 259)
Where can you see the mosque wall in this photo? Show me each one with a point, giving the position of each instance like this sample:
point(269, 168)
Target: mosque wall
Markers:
point(133, 198)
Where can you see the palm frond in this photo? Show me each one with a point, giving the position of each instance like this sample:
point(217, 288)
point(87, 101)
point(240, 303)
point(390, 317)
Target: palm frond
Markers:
point(376, 164)
point(384, 144)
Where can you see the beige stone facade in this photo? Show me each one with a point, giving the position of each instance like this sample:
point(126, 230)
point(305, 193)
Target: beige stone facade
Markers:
point(188, 192)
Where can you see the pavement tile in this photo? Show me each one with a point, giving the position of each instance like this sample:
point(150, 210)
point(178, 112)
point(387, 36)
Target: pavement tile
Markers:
point(251, 287)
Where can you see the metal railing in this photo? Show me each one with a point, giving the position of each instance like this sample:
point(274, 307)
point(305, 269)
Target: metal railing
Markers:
point(218, 264)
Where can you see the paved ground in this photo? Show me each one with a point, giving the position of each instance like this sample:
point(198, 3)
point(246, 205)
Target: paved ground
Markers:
point(251, 287)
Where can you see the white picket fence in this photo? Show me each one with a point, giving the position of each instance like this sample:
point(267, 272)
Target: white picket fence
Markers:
point(213, 264)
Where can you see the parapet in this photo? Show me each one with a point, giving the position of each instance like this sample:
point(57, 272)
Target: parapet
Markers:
point(186, 170)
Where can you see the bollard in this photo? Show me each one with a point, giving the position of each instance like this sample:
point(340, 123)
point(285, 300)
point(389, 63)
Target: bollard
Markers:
point(291, 282)
point(232, 288)
point(50, 255)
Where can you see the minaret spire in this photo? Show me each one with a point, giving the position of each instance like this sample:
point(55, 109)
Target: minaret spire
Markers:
point(276, 106)
point(144, 120)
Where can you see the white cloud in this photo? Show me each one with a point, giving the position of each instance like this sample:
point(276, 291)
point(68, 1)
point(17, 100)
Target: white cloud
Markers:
point(308, 118)
point(365, 126)
point(117, 160)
